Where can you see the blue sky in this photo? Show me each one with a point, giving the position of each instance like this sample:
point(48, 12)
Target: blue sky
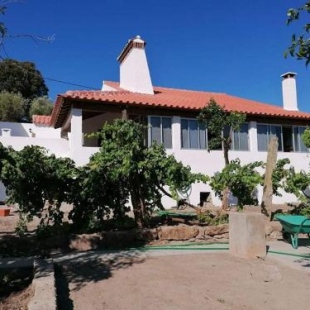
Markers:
point(235, 47)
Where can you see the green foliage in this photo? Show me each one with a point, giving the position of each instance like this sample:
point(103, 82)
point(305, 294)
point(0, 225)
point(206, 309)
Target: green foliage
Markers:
point(21, 227)
point(301, 209)
point(11, 106)
point(32, 178)
point(300, 44)
point(140, 172)
point(216, 119)
point(213, 219)
point(22, 77)
point(297, 184)
point(124, 168)
point(95, 198)
point(40, 106)
point(306, 137)
point(240, 180)
point(279, 175)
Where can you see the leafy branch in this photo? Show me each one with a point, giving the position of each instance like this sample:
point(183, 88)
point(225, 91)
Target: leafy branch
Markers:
point(300, 44)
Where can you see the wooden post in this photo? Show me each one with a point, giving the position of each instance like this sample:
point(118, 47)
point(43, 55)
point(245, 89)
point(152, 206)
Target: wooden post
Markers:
point(270, 165)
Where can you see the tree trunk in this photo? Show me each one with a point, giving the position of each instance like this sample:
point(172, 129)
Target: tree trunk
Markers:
point(225, 192)
point(270, 165)
point(137, 209)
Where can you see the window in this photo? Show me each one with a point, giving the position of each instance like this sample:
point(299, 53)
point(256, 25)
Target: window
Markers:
point(299, 146)
point(193, 134)
point(240, 139)
point(265, 132)
point(161, 131)
point(289, 137)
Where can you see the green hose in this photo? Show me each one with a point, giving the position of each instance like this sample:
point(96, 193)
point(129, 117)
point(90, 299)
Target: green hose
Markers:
point(290, 254)
point(204, 247)
point(181, 248)
point(188, 244)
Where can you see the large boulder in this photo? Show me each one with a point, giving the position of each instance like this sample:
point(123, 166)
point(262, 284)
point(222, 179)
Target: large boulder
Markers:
point(216, 230)
point(180, 232)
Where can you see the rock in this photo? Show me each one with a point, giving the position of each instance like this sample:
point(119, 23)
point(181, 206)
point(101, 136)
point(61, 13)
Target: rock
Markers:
point(85, 242)
point(216, 230)
point(180, 232)
point(275, 235)
point(145, 234)
point(273, 230)
point(222, 236)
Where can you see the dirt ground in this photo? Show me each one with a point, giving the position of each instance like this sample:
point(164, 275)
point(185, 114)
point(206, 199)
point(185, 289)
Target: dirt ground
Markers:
point(17, 300)
point(214, 281)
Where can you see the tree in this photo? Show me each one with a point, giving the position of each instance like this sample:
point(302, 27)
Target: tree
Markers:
point(11, 107)
point(32, 178)
point(41, 106)
point(300, 47)
point(23, 78)
point(217, 120)
point(241, 181)
point(306, 137)
point(142, 173)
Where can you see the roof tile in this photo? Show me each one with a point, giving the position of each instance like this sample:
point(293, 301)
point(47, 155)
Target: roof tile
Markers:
point(177, 99)
point(41, 119)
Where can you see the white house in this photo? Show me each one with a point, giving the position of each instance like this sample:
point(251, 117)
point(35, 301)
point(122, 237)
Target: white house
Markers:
point(171, 114)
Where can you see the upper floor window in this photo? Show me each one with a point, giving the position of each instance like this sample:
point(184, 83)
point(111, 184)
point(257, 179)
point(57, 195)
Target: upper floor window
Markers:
point(240, 138)
point(193, 134)
point(160, 130)
point(289, 137)
point(299, 145)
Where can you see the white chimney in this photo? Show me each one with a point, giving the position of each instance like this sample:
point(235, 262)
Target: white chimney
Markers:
point(134, 70)
point(289, 92)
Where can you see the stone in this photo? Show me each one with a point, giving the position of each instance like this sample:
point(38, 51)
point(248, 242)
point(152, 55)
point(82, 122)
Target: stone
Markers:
point(247, 235)
point(44, 286)
point(180, 232)
point(222, 236)
point(216, 230)
point(273, 230)
point(145, 234)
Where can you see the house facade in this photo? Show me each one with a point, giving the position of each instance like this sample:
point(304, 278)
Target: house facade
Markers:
point(171, 118)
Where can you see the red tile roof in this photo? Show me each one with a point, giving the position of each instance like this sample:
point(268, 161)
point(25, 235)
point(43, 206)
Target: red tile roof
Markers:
point(176, 99)
point(41, 119)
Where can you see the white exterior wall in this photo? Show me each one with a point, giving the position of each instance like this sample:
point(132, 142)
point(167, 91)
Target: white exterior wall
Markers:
point(29, 130)
point(200, 161)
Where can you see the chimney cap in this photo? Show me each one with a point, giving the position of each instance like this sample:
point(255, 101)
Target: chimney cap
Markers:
point(288, 74)
point(136, 42)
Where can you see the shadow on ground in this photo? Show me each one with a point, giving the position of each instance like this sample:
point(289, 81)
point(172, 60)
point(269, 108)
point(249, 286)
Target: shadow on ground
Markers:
point(76, 270)
point(81, 268)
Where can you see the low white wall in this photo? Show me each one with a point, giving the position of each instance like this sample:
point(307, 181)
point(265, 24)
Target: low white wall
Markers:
point(81, 156)
point(59, 147)
point(29, 130)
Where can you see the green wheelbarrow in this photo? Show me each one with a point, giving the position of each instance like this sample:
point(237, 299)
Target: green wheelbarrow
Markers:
point(293, 225)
